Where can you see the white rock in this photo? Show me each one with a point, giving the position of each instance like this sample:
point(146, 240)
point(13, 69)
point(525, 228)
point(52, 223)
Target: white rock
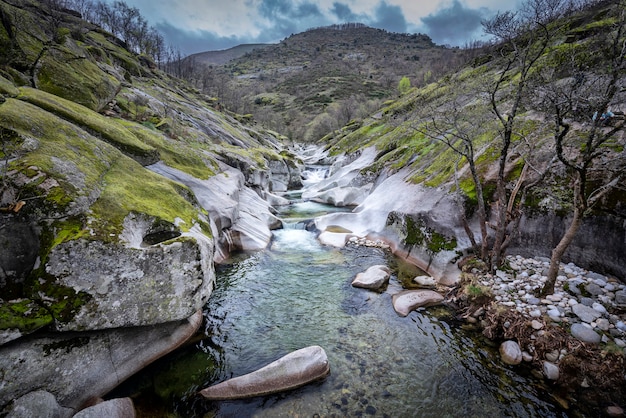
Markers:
point(536, 325)
point(426, 281)
point(550, 370)
point(510, 352)
point(409, 300)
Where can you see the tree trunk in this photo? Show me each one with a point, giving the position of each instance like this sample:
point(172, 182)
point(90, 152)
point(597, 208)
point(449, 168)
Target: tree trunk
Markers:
point(557, 252)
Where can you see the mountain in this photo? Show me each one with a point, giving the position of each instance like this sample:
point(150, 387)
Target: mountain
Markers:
point(224, 56)
point(333, 73)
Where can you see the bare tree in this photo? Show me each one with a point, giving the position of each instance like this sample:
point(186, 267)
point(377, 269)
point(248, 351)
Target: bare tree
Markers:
point(595, 169)
point(524, 37)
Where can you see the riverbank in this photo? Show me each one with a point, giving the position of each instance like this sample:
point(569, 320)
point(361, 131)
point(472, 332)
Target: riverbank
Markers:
point(574, 339)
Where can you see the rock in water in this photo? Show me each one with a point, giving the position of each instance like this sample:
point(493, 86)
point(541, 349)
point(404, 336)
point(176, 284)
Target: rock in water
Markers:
point(372, 278)
point(289, 372)
point(409, 300)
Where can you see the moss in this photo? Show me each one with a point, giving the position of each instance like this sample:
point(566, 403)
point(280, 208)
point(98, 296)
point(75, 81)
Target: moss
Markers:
point(75, 78)
point(418, 234)
point(23, 314)
point(8, 88)
point(175, 153)
point(131, 188)
point(108, 129)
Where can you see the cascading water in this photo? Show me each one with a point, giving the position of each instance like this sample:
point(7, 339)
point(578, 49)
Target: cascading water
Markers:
point(298, 293)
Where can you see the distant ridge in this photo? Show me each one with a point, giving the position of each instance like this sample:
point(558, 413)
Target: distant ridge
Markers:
point(224, 56)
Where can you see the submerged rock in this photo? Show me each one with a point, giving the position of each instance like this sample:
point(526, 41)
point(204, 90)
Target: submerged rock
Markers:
point(409, 300)
point(373, 278)
point(289, 372)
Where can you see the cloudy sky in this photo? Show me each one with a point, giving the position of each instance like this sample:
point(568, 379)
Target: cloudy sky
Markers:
point(202, 25)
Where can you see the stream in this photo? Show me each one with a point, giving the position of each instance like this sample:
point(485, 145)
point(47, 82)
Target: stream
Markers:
point(298, 293)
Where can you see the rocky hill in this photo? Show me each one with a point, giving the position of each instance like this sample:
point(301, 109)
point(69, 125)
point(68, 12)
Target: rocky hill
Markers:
point(332, 74)
point(224, 56)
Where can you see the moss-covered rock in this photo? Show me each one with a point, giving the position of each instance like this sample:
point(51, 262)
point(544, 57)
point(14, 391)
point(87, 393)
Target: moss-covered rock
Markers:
point(20, 317)
point(82, 81)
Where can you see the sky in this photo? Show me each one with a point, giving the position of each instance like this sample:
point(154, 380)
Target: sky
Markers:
point(204, 25)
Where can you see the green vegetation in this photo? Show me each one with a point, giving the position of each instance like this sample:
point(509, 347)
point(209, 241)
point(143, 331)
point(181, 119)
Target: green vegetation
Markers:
point(108, 129)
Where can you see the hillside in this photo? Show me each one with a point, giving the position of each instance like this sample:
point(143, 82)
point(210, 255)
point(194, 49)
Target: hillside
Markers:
point(332, 74)
point(224, 56)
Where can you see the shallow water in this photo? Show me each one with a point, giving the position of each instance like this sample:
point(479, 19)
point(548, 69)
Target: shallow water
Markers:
point(298, 293)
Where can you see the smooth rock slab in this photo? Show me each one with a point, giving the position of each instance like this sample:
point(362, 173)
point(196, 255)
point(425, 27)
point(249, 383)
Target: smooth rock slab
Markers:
point(425, 281)
point(373, 278)
point(409, 300)
point(289, 372)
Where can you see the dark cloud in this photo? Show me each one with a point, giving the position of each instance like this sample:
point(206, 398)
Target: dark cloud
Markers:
point(389, 17)
point(454, 25)
point(286, 17)
point(344, 13)
point(190, 42)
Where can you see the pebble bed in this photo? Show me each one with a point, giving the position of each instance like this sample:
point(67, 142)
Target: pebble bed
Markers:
point(593, 305)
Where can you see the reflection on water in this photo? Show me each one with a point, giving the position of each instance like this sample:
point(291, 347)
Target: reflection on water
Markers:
point(297, 294)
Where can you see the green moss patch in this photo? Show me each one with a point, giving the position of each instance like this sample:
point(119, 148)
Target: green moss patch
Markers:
point(76, 78)
point(8, 88)
point(23, 314)
point(128, 187)
point(106, 128)
point(419, 234)
point(175, 153)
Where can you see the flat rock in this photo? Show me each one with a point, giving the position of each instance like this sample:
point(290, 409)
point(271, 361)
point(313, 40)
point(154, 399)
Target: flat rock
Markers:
point(373, 278)
point(409, 300)
point(296, 369)
point(585, 334)
point(39, 404)
point(92, 363)
point(585, 313)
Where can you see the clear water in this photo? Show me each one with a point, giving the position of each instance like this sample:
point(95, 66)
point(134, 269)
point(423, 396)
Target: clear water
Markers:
point(298, 293)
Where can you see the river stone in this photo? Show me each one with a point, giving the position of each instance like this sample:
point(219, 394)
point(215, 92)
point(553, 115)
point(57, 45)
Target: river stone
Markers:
point(510, 352)
point(373, 278)
point(80, 368)
point(115, 408)
point(40, 404)
point(409, 300)
point(585, 334)
point(425, 281)
point(620, 298)
point(296, 369)
point(550, 370)
point(585, 313)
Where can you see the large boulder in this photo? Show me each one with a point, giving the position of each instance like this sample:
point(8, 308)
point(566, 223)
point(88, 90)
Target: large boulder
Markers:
point(80, 368)
point(240, 218)
point(122, 286)
point(289, 372)
point(420, 224)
